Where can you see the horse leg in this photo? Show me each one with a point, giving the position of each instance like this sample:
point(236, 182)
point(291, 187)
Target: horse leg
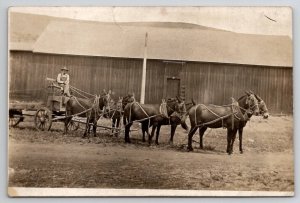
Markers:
point(157, 134)
point(201, 134)
point(67, 121)
point(229, 134)
point(113, 125)
point(173, 129)
point(95, 127)
point(190, 137)
point(144, 129)
point(232, 140)
point(241, 139)
point(87, 129)
point(152, 133)
point(127, 129)
point(117, 126)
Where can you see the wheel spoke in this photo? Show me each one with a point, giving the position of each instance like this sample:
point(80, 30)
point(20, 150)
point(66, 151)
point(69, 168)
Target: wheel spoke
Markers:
point(43, 119)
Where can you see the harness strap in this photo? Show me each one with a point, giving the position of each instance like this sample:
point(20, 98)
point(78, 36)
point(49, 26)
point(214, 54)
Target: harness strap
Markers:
point(210, 110)
point(214, 121)
point(232, 117)
point(142, 109)
point(79, 103)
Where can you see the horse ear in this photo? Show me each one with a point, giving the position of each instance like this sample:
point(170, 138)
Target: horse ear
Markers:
point(193, 101)
point(247, 93)
point(179, 99)
point(258, 98)
point(251, 91)
point(104, 91)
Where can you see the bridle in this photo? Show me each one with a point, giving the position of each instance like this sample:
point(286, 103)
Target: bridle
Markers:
point(265, 109)
point(252, 107)
point(179, 109)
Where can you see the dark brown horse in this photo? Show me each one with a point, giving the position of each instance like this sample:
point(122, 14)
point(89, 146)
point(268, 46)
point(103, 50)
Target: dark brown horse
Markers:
point(232, 117)
point(149, 114)
point(174, 120)
point(91, 109)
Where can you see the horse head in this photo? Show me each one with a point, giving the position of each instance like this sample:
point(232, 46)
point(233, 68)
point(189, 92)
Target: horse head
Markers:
point(105, 99)
point(128, 99)
point(180, 106)
point(250, 102)
point(119, 104)
point(263, 110)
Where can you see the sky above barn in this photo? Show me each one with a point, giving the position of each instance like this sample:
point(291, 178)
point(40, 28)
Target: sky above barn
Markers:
point(251, 20)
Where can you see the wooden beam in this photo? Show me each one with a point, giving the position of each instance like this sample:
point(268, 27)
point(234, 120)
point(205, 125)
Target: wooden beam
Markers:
point(143, 87)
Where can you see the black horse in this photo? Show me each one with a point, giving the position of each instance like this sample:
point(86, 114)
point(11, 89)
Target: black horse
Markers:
point(91, 108)
point(233, 117)
point(149, 115)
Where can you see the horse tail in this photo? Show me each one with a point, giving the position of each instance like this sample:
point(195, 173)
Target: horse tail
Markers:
point(183, 121)
point(125, 116)
point(184, 126)
point(124, 120)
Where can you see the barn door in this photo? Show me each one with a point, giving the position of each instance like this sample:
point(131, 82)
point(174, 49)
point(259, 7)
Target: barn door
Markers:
point(173, 87)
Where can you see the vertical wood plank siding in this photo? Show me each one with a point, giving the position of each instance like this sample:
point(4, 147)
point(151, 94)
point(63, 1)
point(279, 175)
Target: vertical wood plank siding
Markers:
point(91, 74)
point(216, 83)
point(205, 82)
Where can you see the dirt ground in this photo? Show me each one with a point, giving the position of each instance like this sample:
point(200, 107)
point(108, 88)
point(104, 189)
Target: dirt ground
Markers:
point(51, 159)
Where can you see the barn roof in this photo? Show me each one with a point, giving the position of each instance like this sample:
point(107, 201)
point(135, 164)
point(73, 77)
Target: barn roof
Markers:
point(166, 43)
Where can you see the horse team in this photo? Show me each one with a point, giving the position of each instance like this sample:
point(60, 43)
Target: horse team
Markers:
point(173, 112)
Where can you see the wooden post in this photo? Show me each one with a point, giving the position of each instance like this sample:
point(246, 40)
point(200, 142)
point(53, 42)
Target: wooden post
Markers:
point(143, 87)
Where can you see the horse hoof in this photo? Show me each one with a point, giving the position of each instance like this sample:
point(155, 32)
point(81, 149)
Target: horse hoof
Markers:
point(241, 152)
point(190, 149)
point(156, 143)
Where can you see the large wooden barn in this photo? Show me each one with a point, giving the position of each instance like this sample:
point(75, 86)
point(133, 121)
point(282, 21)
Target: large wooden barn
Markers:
point(192, 61)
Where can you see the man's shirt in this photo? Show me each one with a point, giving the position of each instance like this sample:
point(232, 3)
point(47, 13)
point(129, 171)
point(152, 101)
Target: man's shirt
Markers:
point(63, 78)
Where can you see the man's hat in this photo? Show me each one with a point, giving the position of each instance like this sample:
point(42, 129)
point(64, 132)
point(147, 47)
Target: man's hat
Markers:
point(64, 68)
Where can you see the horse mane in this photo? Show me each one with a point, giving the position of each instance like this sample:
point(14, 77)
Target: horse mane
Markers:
point(171, 100)
point(258, 98)
point(242, 97)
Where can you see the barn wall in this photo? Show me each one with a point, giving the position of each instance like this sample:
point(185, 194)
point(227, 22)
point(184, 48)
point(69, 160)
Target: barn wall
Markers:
point(205, 82)
point(91, 74)
point(216, 83)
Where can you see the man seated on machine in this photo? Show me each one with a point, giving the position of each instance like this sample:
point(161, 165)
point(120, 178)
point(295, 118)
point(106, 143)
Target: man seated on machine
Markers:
point(63, 80)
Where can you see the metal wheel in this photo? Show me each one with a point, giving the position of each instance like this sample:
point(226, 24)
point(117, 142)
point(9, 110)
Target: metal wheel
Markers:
point(43, 119)
point(73, 126)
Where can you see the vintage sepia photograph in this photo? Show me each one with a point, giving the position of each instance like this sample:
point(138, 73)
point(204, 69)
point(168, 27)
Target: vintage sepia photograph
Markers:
point(150, 101)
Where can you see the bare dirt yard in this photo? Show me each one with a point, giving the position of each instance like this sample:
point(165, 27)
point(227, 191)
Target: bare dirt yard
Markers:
point(51, 159)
